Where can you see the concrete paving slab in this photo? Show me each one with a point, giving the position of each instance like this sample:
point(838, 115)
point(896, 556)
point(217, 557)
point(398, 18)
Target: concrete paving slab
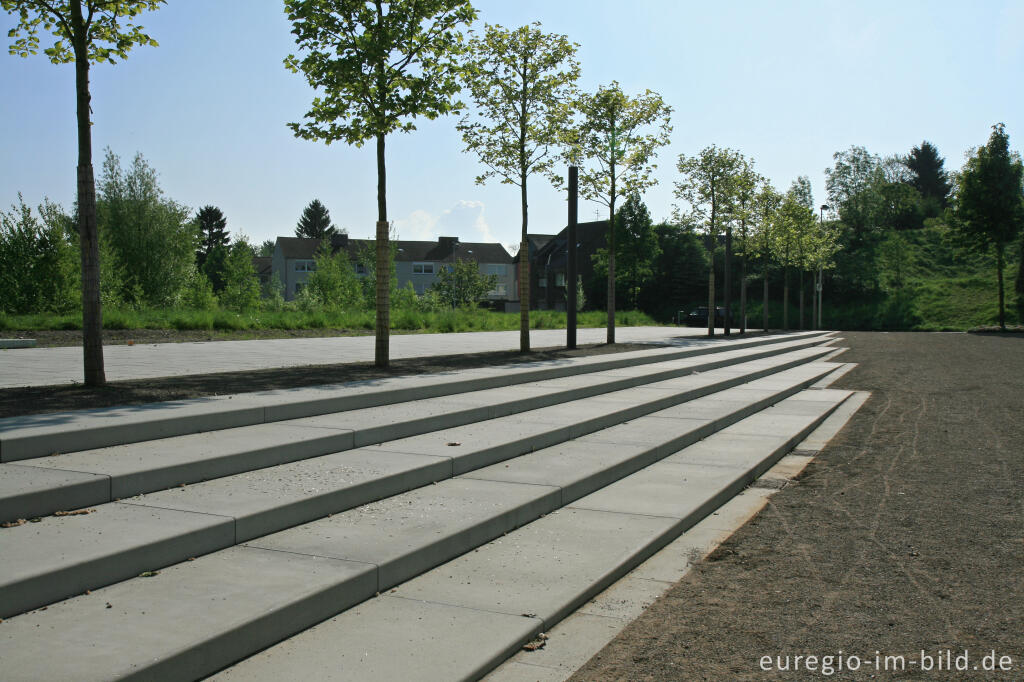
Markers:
point(624, 600)
point(40, 435)
point(687, 492)
point(408, 534)
point(547, 568)
point(827, 381)
point(268, 500)
point(732, 450)
point(374, 425)
point(834, 423)
point(566, 650)
point(392, 639)
point(29, 491)
point(43, 562)
point(185, 623)
point(664, 436)
point(476, 445)
point(576, 467)
point(144, 467)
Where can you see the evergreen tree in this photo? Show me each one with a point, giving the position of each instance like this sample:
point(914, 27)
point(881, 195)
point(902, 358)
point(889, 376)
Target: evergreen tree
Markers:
point(929, 176)
point(638, 247)
point(212, 232)
point(315, 222)
point(266, 248)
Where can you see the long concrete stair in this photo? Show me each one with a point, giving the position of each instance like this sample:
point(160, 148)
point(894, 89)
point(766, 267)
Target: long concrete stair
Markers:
point(200, 576)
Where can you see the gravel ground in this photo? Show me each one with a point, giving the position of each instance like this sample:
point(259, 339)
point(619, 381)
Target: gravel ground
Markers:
point(905, 534)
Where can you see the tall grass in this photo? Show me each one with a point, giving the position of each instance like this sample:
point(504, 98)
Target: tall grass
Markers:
point(402, 320)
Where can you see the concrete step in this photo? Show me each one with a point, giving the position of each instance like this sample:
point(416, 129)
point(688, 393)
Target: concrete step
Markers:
point(61, 556)
point(463, 618)
point(40, 486)
point(42, 435)
point(201, 615)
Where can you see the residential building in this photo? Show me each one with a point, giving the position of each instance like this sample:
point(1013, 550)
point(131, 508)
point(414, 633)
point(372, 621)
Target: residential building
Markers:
point(548, 266)
point(416, 262)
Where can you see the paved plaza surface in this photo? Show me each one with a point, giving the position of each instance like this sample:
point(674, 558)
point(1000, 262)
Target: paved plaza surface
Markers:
point(50, 366)
point(904, 535)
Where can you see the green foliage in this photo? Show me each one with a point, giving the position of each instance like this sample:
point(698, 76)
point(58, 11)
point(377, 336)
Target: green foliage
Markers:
point(461, 284)
point(521, 82)
point(198, 292)
point(213, 232)
point(708, 186)
point(613, 137)
point(38, 262)
point(990, 201)
point(334, 284)
point(374, 69)
point(109, 33)
point(213, 266)
point(929, 178)
point(638, 248)
point(241, 288)
point(315, 223)
point(266, 248)
point(682, 265)
point(149, 236)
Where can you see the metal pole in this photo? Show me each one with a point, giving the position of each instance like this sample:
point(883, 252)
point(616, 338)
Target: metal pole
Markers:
point(570, 274)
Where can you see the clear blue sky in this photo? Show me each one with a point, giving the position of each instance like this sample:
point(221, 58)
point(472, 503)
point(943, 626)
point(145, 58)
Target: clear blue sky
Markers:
point(786, 83)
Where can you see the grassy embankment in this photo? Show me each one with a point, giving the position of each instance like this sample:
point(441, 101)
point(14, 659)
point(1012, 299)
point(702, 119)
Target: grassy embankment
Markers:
point(459, 320)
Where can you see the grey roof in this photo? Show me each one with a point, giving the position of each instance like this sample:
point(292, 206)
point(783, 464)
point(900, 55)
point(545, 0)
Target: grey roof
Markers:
point(262, 264)
point(445, 250)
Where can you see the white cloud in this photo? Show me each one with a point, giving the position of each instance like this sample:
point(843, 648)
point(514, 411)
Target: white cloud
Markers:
point(465, 220)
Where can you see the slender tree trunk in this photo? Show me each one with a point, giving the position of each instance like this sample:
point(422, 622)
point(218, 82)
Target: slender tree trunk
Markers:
point(727, 285)
point(524, 281)
point(764, 304)
point(801, 297)
point(88, 227)
point(711, 296)
point(743, 291)
point(814, 299)
point(524, 248)
point(1000, 256)
point(382, 350)
point(611, 256)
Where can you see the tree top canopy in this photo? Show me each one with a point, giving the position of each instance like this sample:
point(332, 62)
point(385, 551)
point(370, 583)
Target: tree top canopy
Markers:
point(109, 27)
point(613, 133)
point(376, 63)
point(522, 83)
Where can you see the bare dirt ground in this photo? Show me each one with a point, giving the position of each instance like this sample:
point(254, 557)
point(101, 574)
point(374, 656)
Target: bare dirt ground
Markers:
point(41, 399)
point(905, 534)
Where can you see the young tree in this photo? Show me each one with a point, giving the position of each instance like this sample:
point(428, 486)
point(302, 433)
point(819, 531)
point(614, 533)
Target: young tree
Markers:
point(746, 186)
point(522, 82)
point(613, 136)
point(87, 31)
point(461, 283)
point(804, 244)
point(375, 70)
point(241, 288)
point(315, 222)
point(850, 184)
point(38, 270)
point(708, 186)
point(334, 284)
point(989, 201)
point(766, 208)
point(792, 231)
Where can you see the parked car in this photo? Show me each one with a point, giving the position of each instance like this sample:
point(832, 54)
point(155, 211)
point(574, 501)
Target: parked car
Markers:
point(699, 317)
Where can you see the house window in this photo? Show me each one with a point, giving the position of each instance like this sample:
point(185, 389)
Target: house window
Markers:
point(494, 269)
point(560, 279)
point(305, 266)
point(423, 268)
point(542, 282)
point(360, 269)
point(499, 290)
